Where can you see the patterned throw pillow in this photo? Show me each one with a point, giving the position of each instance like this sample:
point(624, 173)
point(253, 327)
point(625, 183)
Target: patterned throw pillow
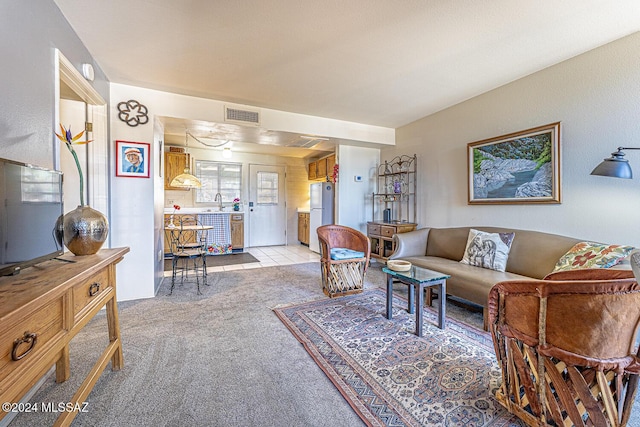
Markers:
point(592, 255)
point(488, 250)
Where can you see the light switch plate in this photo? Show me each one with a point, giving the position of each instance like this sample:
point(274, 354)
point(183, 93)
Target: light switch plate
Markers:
point(357, 178)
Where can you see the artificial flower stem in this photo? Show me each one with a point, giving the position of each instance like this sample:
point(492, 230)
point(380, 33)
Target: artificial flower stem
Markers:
point(75, 157)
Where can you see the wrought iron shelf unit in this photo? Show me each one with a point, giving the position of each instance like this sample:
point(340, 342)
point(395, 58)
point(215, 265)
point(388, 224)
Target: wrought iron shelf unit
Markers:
point(396, 190)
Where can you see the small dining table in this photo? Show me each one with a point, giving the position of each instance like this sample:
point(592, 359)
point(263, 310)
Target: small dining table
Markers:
point(176, 231)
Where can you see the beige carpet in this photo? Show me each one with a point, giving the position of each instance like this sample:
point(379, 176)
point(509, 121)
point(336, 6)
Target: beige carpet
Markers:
point(219, 359)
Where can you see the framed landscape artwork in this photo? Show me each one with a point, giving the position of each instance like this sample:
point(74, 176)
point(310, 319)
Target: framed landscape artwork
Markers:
point(522, 167)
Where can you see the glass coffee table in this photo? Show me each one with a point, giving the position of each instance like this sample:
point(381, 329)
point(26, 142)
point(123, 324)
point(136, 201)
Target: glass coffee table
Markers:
point(418, 279)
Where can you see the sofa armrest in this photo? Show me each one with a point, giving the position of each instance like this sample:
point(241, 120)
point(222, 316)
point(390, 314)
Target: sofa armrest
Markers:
point(413, 243)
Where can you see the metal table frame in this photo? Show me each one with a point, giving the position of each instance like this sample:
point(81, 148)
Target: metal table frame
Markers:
point(418, 278)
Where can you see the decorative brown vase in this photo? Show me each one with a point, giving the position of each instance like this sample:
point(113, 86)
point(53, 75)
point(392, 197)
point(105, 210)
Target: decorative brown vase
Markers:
point(85, 230)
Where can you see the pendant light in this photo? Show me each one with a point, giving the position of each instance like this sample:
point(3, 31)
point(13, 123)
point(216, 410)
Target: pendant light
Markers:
point(186, 179)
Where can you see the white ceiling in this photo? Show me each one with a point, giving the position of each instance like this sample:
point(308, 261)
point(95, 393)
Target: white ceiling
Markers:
point(378, 62)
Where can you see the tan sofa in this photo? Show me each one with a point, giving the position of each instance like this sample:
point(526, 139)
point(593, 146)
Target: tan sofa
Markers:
point(533, 254)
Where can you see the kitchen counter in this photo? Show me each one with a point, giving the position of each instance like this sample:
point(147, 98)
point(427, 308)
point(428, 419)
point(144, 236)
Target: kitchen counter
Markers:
point(227, 226)
point(227, 211)
point(303, 210)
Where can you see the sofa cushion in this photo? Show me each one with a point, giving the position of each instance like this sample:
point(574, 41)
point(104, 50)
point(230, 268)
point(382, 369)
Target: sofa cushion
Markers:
point(487, 250)
point(592, 255)
point(467, 281)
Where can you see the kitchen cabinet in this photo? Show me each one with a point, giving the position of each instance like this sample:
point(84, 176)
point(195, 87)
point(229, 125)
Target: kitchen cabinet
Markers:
point(237, 231)
point(174, 165)
point(331, 162)
point(381, 236)
point(303, 228)
point(312, 171)
point(321, 169)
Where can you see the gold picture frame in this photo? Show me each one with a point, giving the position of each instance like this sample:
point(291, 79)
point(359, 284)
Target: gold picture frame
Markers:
point(518, 168)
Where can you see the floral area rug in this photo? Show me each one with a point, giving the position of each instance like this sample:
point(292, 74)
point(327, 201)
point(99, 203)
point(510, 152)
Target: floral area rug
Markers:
point(390, 376)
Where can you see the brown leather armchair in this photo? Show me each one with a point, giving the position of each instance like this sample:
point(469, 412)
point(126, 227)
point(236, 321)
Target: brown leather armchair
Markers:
point(566, 348)
point(343, 276)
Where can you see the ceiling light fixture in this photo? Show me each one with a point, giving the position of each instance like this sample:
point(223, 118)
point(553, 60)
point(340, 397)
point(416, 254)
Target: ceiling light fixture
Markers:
point(226, 153)
point(615, 166)
point(186, 179)
point(206, 144)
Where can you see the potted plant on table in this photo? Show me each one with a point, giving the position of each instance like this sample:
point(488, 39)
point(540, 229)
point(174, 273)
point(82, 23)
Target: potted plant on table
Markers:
point(236, 204)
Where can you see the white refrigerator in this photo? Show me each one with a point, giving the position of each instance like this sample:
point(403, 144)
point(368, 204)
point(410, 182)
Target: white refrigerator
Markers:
point(321, 211)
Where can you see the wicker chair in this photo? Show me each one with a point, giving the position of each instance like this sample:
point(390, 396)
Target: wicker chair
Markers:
point(566, 349)
point(345, 276)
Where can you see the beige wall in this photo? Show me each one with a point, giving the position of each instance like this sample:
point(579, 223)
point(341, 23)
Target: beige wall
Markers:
point(595, 96)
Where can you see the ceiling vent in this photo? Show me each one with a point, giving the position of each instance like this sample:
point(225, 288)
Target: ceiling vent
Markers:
point(242, 117)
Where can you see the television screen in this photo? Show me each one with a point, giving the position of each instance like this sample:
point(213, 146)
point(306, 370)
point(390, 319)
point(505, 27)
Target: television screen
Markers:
point(30, 209)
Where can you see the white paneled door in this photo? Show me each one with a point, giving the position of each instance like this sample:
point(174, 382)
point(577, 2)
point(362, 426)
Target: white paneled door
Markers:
point(266, 210)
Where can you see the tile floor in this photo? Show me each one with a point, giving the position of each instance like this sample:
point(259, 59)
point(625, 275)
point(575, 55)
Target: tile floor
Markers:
point(269, 256)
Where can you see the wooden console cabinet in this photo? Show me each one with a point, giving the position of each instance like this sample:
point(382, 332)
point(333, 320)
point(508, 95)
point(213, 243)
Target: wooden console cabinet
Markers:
point(42, 309)
point(381, 236)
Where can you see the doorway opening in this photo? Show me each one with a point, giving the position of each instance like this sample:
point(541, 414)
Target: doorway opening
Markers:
point(80, 106)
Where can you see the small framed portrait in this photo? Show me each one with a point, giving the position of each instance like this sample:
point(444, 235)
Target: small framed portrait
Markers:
point(132, 159)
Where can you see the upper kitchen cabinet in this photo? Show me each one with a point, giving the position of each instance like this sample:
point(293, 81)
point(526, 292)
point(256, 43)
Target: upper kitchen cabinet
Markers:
point(174, 165)
point(313, 166)
point(331, 162)
point(322, 169)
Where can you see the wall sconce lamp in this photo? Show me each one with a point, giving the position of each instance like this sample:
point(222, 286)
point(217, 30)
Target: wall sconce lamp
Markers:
point(615, 166)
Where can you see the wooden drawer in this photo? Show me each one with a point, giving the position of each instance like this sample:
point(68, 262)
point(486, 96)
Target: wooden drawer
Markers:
point(373, 229)
point(236, 217)
point(387, 231)
point(405, 228)
point(47, 325)
point(90, 290)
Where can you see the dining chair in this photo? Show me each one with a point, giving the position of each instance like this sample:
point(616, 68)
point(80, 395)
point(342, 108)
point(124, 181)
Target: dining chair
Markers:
point(189, 251)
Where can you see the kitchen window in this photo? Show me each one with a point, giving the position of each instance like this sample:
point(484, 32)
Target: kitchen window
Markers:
point(218, 177)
